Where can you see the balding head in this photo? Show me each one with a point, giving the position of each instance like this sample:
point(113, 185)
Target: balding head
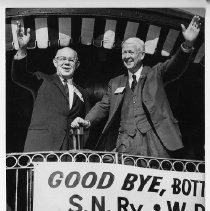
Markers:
point(67, 52)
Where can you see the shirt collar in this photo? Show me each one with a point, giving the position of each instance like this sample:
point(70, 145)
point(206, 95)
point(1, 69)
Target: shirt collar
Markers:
point(69, 81)
point(137, 73)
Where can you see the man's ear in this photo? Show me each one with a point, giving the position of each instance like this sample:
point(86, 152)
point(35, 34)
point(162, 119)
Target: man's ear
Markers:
point(142, 55)
point(77, 64)
point(55, 62)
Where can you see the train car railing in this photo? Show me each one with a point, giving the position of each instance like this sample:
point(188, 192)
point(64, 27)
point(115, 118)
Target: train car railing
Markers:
point(50, 27)
point(20, 166)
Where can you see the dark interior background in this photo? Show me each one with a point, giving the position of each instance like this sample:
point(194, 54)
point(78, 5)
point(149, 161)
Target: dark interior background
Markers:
point(98, 65)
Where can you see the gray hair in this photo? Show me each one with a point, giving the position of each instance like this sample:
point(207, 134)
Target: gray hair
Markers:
point(136, 41)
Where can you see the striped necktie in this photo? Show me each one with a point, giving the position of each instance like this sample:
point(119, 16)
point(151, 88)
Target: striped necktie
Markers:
point(65, 84)
point(134, 82)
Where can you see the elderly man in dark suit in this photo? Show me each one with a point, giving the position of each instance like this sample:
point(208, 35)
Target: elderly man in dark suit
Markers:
point(58, 99)
point(140, 120)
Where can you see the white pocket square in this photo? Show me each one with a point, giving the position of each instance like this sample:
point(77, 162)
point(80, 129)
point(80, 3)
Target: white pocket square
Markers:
point(77, 92)
point(119, 90)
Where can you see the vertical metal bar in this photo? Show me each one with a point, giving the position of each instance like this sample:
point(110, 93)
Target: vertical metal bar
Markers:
point(74, 141)
point(27, 189)
point(122, 158)
point(116, 158)
point(78, 139)
point(30, 189)
point(82, 138)
point(16, 189)
point(72, 135)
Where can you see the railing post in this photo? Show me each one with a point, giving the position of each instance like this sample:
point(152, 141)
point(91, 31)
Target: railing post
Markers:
point(77, 136)
point(30, 189)
point(16, 189)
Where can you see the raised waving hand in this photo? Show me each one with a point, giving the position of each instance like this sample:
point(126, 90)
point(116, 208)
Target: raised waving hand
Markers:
point(23, 39)
point(191, 32)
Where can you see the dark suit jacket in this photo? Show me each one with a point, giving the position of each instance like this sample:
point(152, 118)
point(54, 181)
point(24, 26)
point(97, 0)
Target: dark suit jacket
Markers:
point(154, 101)
point(51, 116)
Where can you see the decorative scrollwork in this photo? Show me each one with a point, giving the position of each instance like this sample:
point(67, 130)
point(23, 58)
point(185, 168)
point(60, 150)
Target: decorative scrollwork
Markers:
point(26, 160)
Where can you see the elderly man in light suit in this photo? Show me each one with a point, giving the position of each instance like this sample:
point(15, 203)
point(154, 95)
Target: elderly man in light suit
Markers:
point(140, 120)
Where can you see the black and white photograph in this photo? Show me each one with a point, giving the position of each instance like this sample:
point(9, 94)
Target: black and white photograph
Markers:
point(105, 108)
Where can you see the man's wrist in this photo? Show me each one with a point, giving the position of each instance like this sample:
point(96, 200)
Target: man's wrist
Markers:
point(187, 47)
point(88, 124)
point(21, 53)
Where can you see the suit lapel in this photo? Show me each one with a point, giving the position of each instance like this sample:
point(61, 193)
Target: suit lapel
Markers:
point(143, 78)
point(119, 97)
point(144, 72)
point(56, 80)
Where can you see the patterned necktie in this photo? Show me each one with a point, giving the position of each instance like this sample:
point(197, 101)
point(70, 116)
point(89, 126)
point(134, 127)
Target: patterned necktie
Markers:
point(134, 82)
point(66, 87)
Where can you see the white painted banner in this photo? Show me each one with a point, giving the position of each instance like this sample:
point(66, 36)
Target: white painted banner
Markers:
point(114, 187)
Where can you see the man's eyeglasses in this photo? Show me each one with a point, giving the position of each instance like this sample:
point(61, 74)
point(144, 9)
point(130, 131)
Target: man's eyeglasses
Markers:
point(65, 59)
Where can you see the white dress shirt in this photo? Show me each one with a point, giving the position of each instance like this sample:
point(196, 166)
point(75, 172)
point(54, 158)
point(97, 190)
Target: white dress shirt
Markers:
point(138, 74)
point(71, 91)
